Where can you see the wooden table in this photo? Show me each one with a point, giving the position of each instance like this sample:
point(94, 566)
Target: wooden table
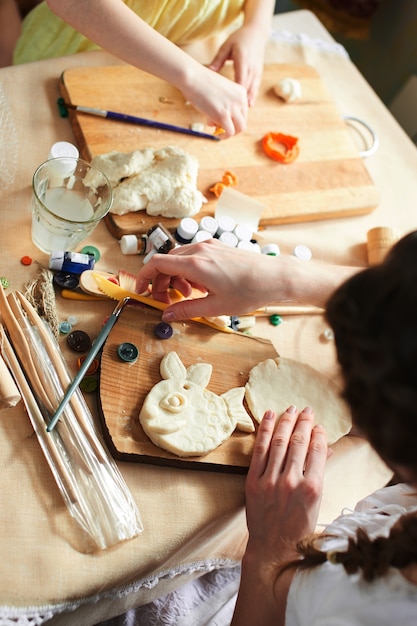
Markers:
point(193, 520)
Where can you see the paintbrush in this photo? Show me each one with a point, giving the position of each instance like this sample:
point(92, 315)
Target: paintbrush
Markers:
point(98, 343)
point(130, 119)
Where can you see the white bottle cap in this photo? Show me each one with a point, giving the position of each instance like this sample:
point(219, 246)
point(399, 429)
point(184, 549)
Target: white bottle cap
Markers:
point(209, 224)
point(243, 232)
point(229, 238)
point(149, 255)
point(63, 149)
point(271, 248)
point(302, 252)
point(226, 225)
point(249, 245)
point(60, 150)
point(201, 235)
point(56, 260)
point(187, 228)
point(129, 244)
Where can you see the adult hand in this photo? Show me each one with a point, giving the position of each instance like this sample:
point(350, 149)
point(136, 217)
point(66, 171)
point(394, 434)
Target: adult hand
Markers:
point(231, 281)
point(283, 494)
point(284, 483)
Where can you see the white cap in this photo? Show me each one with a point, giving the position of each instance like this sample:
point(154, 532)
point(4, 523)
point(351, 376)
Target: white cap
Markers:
point(208, 224)
point(187, 228)
point(201, 235)
point(229, 238)
point(63, 149)
point(60, 150)
point(243, 232)
point(302, 252)
point(271, 248)
point(249, 245)
point(225, 224)
point(129, 244)
point(149, 255)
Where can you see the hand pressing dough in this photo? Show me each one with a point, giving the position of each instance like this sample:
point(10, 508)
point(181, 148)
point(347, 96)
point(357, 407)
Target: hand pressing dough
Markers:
point(161, 182)
point(183, 417)
point(277, 383)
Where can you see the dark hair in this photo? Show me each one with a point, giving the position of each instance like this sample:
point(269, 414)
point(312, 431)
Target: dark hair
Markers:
point(374, 319)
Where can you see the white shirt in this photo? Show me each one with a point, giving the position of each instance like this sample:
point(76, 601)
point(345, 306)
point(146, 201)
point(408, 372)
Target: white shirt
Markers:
point(327, 596)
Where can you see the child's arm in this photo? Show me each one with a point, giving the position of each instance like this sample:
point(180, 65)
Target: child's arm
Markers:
point(114, 27)
point(10, 26)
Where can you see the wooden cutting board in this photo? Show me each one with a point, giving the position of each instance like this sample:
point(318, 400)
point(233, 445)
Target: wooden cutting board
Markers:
point(124, 386)
point(328, 180)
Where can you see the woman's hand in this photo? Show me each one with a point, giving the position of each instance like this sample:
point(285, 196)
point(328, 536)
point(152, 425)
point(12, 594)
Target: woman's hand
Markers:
point(283, 494)
point(231, 281)
point(285, 482)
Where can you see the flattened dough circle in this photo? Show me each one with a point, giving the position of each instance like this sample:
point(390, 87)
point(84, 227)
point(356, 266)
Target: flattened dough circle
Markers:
point(277, 383)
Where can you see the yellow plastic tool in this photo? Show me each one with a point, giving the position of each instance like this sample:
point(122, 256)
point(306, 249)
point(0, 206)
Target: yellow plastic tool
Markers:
point(118, 293)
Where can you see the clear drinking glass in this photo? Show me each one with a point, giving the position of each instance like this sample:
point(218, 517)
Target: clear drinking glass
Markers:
point(70, 197)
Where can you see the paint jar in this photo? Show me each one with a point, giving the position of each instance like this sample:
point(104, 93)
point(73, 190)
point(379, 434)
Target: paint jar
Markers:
point(71, 262)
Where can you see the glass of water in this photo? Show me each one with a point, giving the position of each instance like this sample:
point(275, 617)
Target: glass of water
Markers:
point(70, 197)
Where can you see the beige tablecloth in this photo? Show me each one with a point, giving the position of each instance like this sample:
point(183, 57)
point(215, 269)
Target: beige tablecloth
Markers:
point(193, 520)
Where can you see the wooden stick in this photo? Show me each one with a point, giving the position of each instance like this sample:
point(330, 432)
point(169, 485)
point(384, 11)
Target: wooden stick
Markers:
point(288, 309)
point(48, 444)
point(21, 346)
point(63, 376)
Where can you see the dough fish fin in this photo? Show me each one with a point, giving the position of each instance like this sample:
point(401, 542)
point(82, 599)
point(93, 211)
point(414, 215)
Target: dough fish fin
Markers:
point(234, 402)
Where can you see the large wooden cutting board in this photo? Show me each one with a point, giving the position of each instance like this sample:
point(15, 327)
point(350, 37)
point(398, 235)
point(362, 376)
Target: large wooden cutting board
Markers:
point(124, 386)
point(328, 180)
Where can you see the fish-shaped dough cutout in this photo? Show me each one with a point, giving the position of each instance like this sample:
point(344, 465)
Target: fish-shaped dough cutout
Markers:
point(182, 416)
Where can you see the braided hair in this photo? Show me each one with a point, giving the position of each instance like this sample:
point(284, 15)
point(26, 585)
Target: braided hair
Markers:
point(374, 319)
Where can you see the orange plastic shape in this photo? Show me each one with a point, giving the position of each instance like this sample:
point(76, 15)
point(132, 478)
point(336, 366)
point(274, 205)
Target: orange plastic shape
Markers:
point(272, 144)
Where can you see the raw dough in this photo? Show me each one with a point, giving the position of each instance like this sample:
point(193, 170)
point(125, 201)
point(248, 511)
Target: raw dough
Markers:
point(183, 417)
point(289, 89)
point(162, 182)
point(278, 383)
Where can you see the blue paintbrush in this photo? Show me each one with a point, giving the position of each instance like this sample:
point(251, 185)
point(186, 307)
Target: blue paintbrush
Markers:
point(104, 333)
point(131, 119)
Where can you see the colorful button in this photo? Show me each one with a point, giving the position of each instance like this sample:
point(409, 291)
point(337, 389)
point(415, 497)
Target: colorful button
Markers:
point(79, 341)
point(4, 282)
point(92, 251)
point(65, 280)
point(65, 328)
point(128, 352)
point(163, 330)
point(93, 367)
point(89, 384)
point(26, 260)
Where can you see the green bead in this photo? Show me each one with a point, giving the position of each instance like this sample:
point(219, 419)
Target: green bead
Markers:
point(4, 282)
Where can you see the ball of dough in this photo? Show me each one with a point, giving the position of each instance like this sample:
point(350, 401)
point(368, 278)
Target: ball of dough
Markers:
point(289, 89)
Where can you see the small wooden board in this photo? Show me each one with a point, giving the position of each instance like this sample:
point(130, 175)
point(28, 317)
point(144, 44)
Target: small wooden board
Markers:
point(124, 386)
point(328, 180)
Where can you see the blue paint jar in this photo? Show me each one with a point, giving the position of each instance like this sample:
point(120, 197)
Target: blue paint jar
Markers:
point(72, 262)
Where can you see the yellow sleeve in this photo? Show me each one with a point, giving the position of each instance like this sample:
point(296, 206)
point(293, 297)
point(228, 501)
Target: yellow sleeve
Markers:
point(44, 35)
